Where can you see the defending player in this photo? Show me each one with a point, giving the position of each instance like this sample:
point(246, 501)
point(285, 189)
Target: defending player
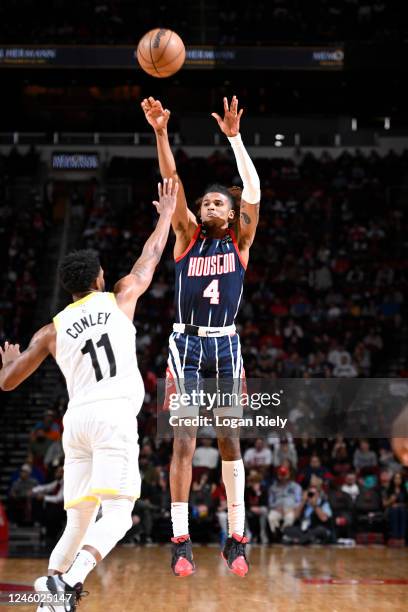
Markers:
point(93, 342)
point(210, 267)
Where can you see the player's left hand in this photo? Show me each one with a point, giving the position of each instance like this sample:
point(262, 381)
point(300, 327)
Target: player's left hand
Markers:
point(9, 352)
point(230, 124)
point(167, 197)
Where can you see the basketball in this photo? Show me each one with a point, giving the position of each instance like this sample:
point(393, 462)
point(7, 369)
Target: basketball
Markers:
point(161, 53)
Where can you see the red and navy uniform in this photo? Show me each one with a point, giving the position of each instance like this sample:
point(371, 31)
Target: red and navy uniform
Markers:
point(209, 282)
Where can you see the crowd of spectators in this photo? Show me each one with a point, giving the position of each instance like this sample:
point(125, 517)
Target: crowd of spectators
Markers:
point(329, 303)
point(23, 225)
point(36, 489)
point(329, 491)
point(124, 21)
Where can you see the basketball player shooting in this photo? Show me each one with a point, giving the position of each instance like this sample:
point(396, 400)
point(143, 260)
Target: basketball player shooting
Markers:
point(210, 263)
point(93, 342)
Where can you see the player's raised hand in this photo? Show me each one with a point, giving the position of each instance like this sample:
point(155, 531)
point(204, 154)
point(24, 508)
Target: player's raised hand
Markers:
point(167, 197)
point(9, 352)
point(229, 125)
point(155, 114)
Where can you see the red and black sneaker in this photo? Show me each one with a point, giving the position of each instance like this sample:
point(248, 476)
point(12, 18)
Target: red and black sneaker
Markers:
point(234, 554)
point(182, 562)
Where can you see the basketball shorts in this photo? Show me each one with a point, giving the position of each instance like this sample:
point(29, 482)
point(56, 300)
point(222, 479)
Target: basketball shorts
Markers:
point(211, 365)
point(101, 449)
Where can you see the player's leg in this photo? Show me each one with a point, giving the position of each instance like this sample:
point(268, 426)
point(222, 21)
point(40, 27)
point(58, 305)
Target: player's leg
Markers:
point(81, 508)
point(185, 354)
point(182, 562)
point(229, 369)
point(100, 538)
point(79, 518)
point(110, 434)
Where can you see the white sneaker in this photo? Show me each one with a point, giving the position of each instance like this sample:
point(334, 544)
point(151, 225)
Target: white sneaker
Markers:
point(66, 597)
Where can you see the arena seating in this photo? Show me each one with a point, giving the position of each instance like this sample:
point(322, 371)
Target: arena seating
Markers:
point(124, 21)
point(335, 283)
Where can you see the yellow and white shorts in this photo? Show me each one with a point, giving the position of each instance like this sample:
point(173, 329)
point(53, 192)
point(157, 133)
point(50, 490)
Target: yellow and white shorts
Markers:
point(101, 449)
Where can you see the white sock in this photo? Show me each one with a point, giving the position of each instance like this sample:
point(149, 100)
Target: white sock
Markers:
point(233, 475)
point(83, 564)
point(179, 518)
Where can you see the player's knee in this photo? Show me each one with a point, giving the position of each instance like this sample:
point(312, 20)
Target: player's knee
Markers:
point(230, 449)
point(118, 511)
point(184, 448)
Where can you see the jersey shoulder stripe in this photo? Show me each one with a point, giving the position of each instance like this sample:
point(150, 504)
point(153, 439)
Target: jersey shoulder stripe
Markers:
point(235, 243)
point(190, 246)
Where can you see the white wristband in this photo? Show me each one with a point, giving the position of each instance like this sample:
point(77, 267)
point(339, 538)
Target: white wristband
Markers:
point(251, 192)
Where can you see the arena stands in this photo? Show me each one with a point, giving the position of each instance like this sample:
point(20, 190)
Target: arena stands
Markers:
point(279, 21)
point(330, 302)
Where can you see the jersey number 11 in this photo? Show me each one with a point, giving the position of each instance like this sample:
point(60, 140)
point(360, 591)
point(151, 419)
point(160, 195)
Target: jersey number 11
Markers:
point(104, 342)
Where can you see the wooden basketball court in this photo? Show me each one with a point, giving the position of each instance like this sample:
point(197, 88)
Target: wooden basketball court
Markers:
point(281, 580)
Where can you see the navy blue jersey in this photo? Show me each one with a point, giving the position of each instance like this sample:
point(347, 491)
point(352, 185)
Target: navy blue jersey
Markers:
point(209, 279)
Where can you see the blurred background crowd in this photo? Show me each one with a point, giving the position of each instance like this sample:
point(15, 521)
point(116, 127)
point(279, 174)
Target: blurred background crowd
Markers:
point(325, 296)
point(124, 21)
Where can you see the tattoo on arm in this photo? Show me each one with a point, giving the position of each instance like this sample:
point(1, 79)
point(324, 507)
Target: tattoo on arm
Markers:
point(246, 218)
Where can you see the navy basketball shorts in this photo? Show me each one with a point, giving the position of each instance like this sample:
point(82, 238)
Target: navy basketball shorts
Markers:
point(205, 368)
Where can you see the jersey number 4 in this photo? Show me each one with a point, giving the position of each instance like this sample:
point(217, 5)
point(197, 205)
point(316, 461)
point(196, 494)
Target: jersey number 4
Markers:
point(104, 342)
point(212, 292)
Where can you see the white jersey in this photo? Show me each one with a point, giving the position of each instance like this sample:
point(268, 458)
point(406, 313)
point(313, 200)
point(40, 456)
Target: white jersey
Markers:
point(96, 351)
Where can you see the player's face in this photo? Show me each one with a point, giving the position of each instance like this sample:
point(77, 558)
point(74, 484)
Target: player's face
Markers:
point(216, 209)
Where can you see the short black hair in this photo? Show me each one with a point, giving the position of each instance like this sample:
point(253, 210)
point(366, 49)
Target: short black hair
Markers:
point(216, 188)
point(78, 270)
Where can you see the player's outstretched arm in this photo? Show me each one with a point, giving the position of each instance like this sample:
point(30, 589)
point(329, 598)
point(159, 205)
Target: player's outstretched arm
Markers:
point(129, 288)
point(251, 194)
point(16, 366)
point(184, 222)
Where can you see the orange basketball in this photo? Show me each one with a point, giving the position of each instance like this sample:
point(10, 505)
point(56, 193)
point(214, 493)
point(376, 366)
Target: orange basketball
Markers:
point(161, 53)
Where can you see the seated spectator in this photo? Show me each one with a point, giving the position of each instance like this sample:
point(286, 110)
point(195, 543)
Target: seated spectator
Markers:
point(38, 447)
point(201, 497)
point(385, 478)
point(201, 503)
point(345, 369)
point(315, 468)
point(363, 456)
point(396, 510)
point(219, 498)
point(285, 450)
point(49, 427)
point(150, 515)
point(341, 504)
point(256, 502)
point(206, 456)
point(339, 444)
point(350, 486)
point(20, 509)
point(387, 460)
point(312, 520)
point(259, 455)
point(284, 496)
point(368, 506)
point(341, 462)
point(51, 512)
point(54, 454)
point(147, 463)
